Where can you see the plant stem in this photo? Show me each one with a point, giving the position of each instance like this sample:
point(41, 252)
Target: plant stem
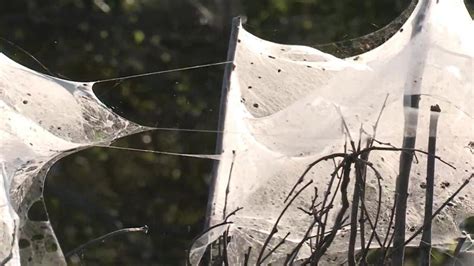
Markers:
point(425, 244)
point(440, 208)
point(275, 225)
point(143, 229)
point(411, 103)
point(356, 197)
point(339, 221)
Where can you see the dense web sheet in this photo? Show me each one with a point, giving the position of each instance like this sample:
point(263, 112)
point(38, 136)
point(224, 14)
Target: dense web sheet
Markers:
point(288, 103)
point(42, 119)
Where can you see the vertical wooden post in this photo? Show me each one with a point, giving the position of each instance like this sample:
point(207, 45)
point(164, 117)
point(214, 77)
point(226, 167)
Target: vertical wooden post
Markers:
point(222, 115)
point(222, 243)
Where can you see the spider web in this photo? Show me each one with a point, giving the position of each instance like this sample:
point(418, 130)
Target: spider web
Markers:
point(293, 103)
point(279, 117)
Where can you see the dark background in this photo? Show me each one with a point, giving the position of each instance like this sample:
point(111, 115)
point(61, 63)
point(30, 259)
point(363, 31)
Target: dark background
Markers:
point(99, 190)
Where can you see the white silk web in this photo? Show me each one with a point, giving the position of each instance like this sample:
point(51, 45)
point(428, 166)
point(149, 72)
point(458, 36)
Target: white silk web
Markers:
point(296, 104)
point(42, 119)
point(282, 111)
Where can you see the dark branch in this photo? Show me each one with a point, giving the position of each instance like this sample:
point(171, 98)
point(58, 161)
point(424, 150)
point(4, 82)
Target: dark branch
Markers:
point(143, 229)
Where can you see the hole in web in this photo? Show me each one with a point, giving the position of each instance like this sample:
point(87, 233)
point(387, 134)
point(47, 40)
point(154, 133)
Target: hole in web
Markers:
point(37, 212)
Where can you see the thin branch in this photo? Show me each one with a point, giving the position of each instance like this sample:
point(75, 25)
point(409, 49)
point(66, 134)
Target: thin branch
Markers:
point(403, 150)
point(310, 166)
point(225, 222)
point(359, 190)
point(347, 160)
point(378, 120)
point(358, 153)
point(326, 208)
point(315, 257)
point(229, 179)
point(466, 182)
point(143, 229)
point(365, 156)
point(417, 232)
point(377, 214)
point(354, 214)
point(312, 208)
point(247, 256)
point(292, 256)
point(276, 247)
point(344, 124)
point(386, 242)
point(274, 229)
point(226, 240)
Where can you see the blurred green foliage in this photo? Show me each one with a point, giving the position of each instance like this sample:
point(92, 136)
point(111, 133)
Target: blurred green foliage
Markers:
point(100, 190)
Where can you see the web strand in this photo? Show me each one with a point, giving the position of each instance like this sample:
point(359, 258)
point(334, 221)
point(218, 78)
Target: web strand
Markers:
point(199, 156)
point(163, 72)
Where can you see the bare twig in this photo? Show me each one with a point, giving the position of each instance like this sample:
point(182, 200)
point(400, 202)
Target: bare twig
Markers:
point(365, 157)
point(227, 189)
point(345, 125)
point(403, 150)
point(225, 222)
point(312, 209)
point(387, 242)
point(327, 240)
point(377, 214)
point(358, 153)
point(417, 232)
point(324, 209)
point(356, 197)
point(310, 166)
point(327, 206)
point(464, 184)
point(247, 256)
point(275, 225)
point(353, 157)
point(276, 247)
point(225, 238)
point(378, 120)
point(317, 218)
point(143, 229)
